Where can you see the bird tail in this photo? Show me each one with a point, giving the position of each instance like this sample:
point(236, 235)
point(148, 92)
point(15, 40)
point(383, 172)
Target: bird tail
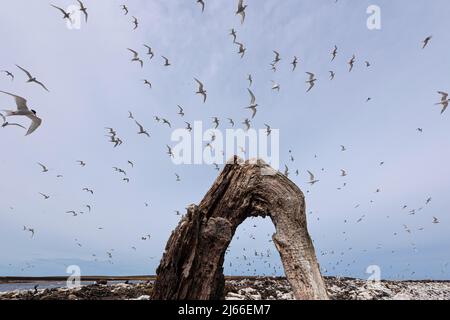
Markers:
point(8, 113)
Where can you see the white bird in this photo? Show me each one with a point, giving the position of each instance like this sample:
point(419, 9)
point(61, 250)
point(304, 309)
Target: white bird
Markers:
point(312, 179)
point(253, 103)
point(444, 101)
point(22, 110)
point(202, 3)
point(275, 86)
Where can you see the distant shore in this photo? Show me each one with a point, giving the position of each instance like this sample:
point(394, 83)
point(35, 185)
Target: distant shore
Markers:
point(236, 288)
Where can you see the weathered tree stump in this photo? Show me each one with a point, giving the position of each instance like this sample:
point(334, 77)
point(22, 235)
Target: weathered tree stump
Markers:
point(192, 264)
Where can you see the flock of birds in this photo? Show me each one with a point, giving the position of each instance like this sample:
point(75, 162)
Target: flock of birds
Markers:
point(247, 260)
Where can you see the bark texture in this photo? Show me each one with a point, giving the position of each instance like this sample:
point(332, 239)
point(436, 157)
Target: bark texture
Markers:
point(192, 264)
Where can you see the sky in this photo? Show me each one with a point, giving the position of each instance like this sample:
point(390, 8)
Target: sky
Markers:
point(93, 84)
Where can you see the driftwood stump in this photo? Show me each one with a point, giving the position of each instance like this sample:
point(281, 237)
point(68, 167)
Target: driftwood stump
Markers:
point(192, 265)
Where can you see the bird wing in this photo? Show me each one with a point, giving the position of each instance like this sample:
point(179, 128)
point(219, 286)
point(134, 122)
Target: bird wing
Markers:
point(444, 95)
point(134, 52)
point(311, 176)
point(200, 84)
point(139, 125)
point(16, 124)
point(311, 75)
point(253, 98)
point(42, 85)
point(20, 102)
point(60, 9)
point(3, 117)
point(35, 123)
point(26, 72)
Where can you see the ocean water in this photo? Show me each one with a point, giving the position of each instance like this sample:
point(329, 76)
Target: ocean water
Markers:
point(6, 287)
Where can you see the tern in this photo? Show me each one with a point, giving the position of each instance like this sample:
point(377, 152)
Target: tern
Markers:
point(253, 103)
point(44, 168)
point(275, 86)
point(141, 129)
point(334, 53)
point(233, 34)
point(31, 78)
point(444, 101)
point(66, 15)
point(250, 80)
point(351, 63)
point(312, 179)
point(311, 81)
point(125, 9)
point(294, 63)
point(202, 3)
point(426, 41)
point(201, 90)
point(241, 10)
point(242, 49)
point(22, 110)
point(135, 22)
point(84, 10)
point(136, 57)
point(8, 74)
point(332, 75)
point(166, 61)
point(150, 51)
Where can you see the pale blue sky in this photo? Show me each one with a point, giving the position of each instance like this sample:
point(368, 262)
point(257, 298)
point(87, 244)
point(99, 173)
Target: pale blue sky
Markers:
point(93, 84)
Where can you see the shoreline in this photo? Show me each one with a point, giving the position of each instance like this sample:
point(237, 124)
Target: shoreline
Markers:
point(17, 279)
point(245, 288)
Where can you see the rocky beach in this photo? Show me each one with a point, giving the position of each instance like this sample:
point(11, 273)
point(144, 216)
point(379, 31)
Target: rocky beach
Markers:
point(250, 289)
